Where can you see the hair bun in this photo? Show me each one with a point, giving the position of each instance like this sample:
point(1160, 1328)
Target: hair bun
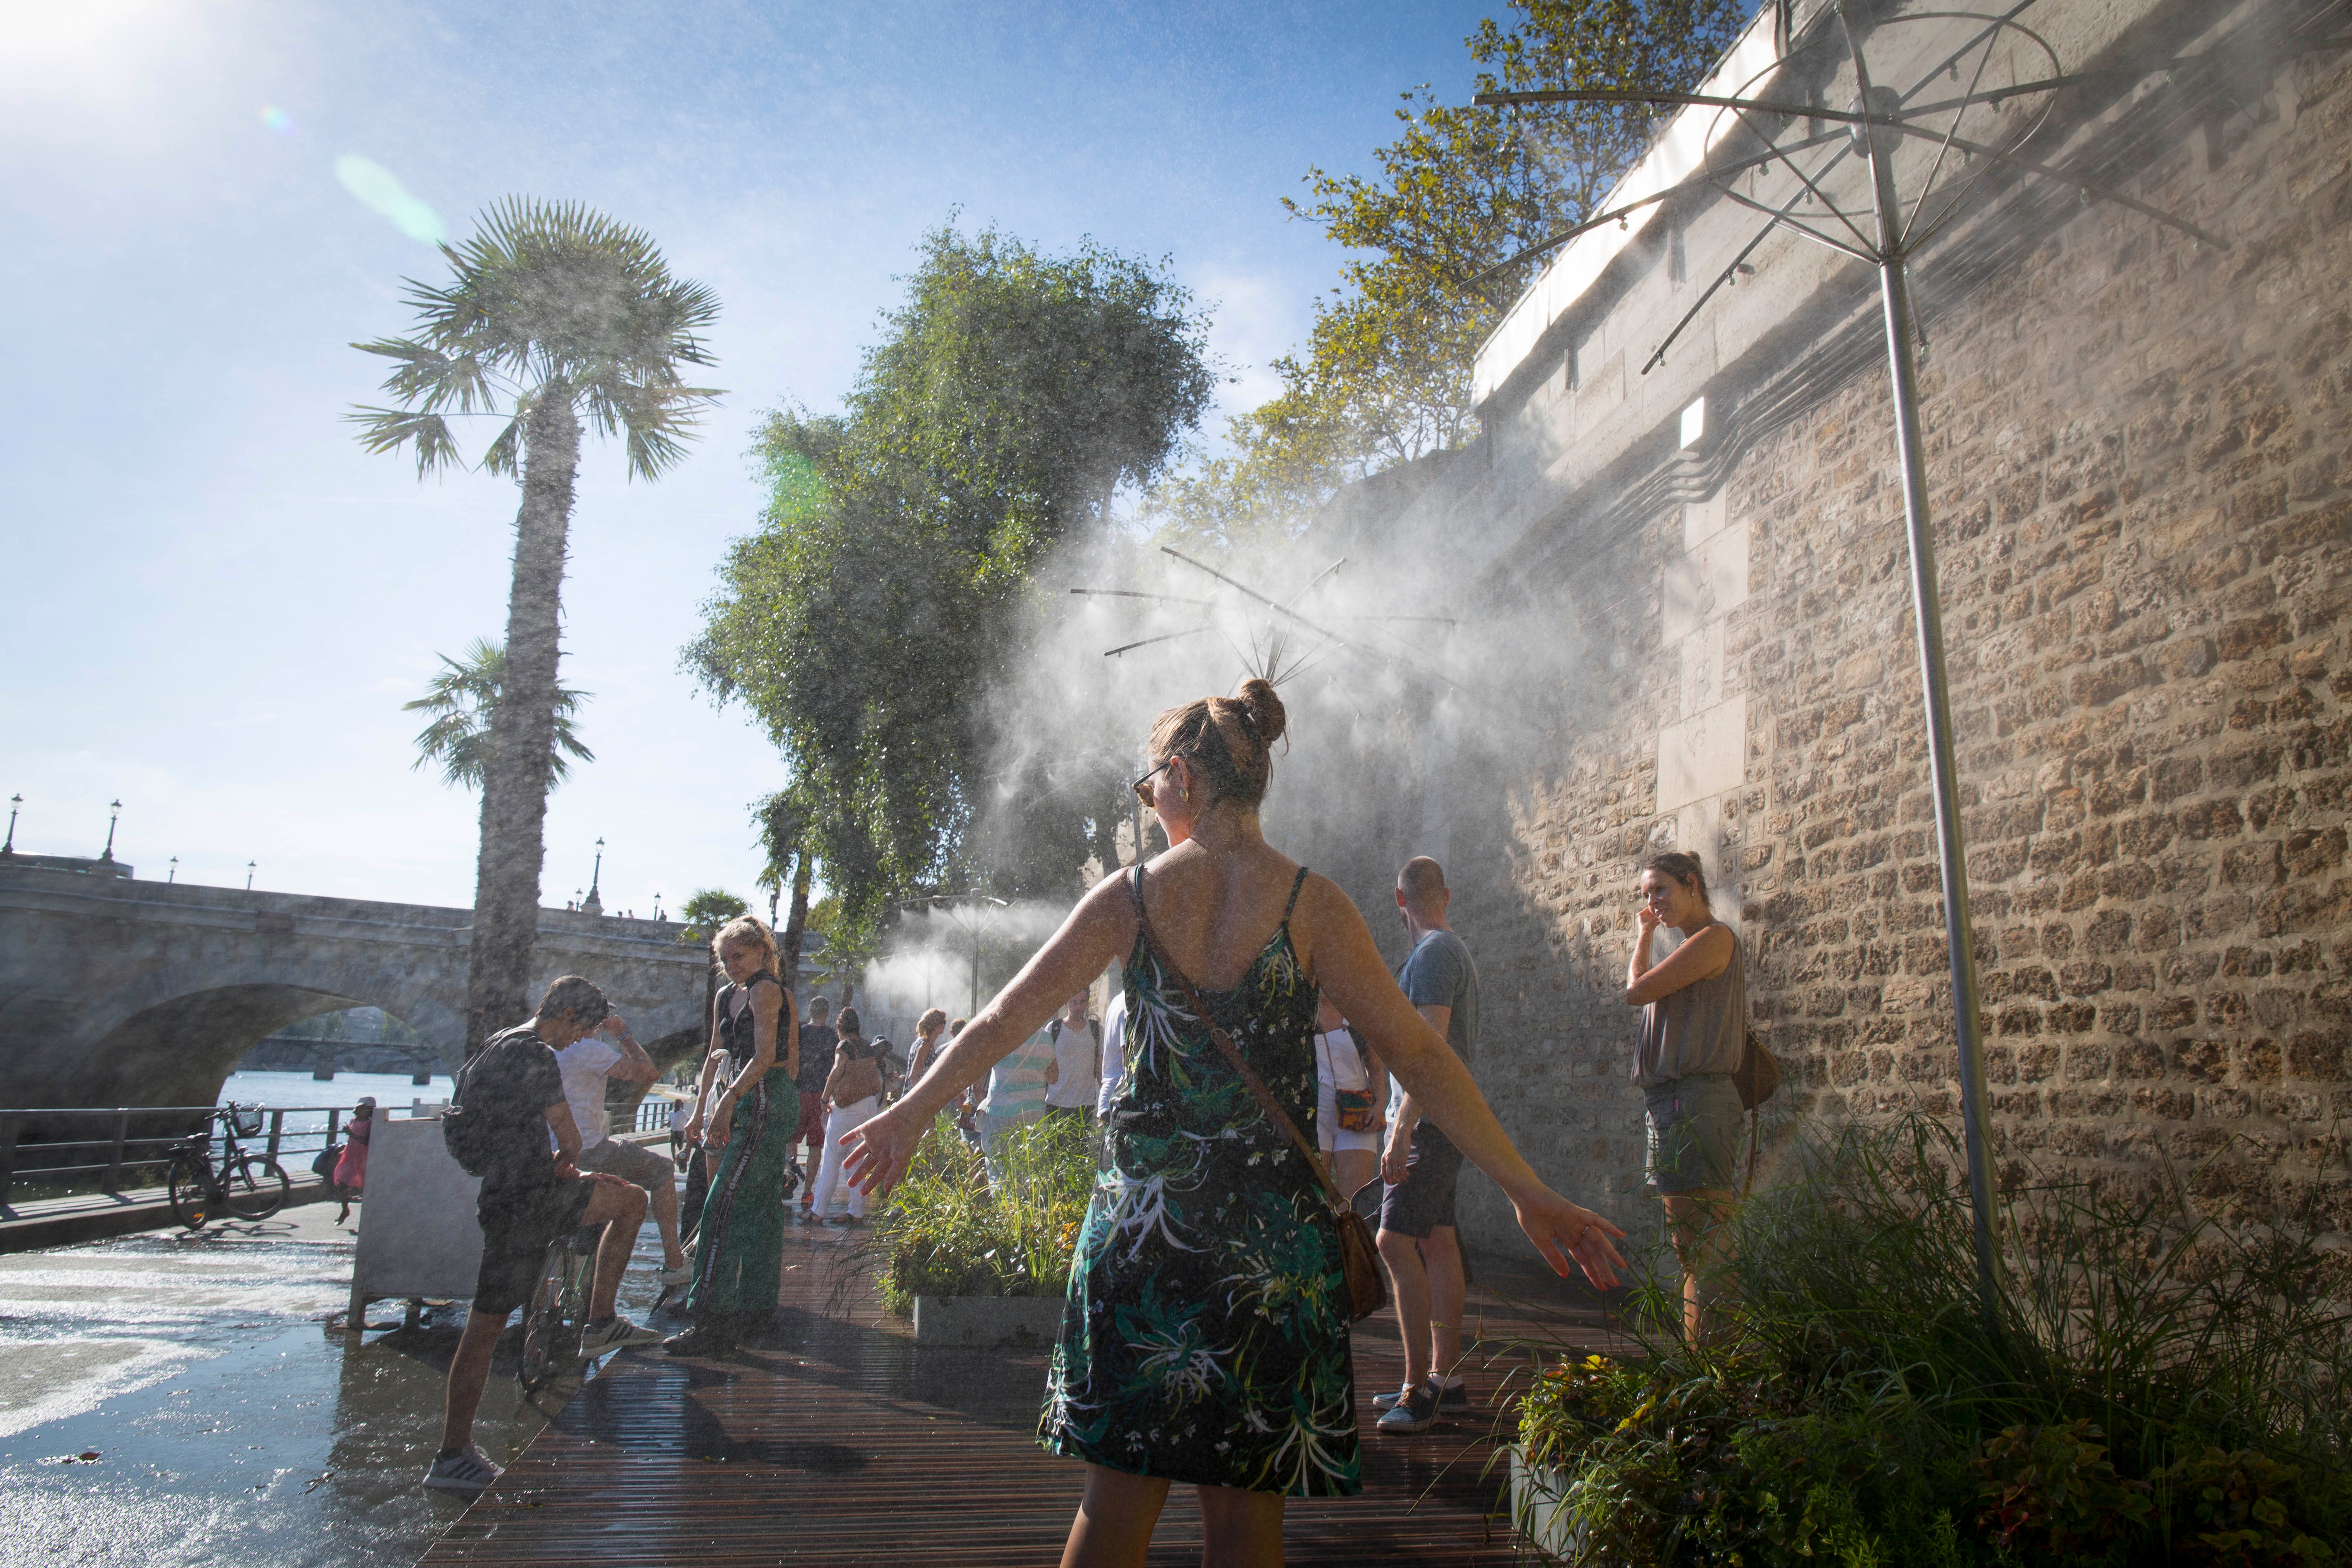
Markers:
point(1265, 710)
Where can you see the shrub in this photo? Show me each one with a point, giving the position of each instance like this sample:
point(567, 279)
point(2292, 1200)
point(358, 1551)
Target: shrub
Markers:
point(2154, 1388)
point(948, 1229)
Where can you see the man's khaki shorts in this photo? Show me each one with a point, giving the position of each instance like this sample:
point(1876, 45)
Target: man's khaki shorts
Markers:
point(630, 1163)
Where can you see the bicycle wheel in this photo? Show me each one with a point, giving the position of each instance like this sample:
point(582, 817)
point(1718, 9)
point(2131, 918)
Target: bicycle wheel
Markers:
point(191, 1193)
point(255, 1187)
point(549, 1342)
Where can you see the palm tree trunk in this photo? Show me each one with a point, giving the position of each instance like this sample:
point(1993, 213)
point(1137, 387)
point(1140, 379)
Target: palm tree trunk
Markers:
point(522, 730)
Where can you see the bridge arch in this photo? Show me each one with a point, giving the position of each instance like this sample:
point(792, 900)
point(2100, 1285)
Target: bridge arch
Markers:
point(173, 1034)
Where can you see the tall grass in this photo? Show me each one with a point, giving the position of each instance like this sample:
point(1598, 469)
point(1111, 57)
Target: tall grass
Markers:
point(2160, 1384)
point(2131, 1307)
point(951, 1229)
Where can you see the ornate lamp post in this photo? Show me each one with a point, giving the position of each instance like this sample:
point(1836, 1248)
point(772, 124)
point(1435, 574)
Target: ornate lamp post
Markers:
point(248, 876)
point(16, 804)
point(107, 854)
point(174, 874)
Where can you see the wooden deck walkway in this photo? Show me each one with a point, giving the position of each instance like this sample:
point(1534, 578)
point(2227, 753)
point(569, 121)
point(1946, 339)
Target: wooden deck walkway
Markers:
point(847, 1444)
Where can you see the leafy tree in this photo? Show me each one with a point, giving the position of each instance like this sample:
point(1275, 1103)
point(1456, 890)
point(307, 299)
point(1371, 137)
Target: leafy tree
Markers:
point(1012, 396)
point(1385, 374)
point(554, 312)
point(461, 699)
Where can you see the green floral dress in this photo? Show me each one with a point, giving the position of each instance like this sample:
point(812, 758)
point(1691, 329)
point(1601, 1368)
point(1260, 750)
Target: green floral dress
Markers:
point(1205, 1339)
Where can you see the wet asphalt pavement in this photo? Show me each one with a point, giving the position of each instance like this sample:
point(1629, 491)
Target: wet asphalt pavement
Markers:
point(232, 1425)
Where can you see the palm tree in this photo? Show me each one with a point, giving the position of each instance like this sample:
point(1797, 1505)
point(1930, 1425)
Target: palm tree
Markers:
point(554, 311)
point(461, 699)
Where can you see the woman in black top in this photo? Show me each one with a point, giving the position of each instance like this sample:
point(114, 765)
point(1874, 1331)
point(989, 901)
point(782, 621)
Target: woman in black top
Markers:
point(739, 1259)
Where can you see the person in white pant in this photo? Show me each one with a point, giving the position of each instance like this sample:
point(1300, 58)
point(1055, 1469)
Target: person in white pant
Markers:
point(1347, 1096)
point(1114, 1056)
point(853, 1093)
point(1071, 1083)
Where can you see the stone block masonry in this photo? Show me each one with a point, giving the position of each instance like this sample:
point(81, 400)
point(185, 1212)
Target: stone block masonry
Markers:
point(2139, 456)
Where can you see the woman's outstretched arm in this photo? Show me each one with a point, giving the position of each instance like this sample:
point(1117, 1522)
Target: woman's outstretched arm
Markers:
point(1098, 931)
point(1350, 971)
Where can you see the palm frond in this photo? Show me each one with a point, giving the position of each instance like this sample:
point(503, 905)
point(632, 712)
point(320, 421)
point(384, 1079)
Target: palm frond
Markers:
point(462, 697)
point(389, 430)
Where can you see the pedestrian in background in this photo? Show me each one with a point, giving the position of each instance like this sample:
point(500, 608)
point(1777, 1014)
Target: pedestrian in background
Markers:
point(1349, 1089)
point(1113, 1070)
point(1075, 1077)
point(926, 1048)
point(739, 1248)
point(512, 1091)
point(351, 1165)
point(1694, 1029)
point(818, 1040)
point(1418, 1239)
point(853, 1093)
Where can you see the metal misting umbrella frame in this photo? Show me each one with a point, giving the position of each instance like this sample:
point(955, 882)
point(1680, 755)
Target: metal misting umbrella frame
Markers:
point(1879, 121)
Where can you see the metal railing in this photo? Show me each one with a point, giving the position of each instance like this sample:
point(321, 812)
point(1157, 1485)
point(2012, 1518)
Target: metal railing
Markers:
point(103, 1148)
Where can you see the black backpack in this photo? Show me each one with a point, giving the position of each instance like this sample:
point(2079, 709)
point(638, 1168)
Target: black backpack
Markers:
point(470, 1133)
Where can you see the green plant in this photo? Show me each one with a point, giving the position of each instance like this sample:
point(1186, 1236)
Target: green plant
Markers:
point(2158, 1387)
point(2052, 1495)
point(953, 1228)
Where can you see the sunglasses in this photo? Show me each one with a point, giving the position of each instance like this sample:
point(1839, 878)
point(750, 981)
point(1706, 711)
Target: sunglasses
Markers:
point(1142, 787)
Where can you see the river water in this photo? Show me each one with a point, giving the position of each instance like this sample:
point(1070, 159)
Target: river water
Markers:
point(233, 1424)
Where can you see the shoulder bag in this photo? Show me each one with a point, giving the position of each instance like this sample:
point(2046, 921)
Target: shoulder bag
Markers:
point(1360, 1261)
point(1757, 1079)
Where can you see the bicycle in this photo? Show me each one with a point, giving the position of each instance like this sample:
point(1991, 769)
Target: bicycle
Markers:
point(250, 1186)
point(557, 1313)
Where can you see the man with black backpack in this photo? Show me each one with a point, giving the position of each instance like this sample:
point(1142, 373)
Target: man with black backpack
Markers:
point(507, 1097)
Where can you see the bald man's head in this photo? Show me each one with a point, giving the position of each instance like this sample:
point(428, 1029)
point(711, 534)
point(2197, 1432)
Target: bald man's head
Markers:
point(1420, 886)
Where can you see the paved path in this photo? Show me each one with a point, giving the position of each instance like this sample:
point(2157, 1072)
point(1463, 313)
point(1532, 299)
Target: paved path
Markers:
point(94, 1216)
point(844, 1443)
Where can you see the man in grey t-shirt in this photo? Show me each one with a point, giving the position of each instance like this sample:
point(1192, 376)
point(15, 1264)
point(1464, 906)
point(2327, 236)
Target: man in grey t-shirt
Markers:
point(1421, 1164)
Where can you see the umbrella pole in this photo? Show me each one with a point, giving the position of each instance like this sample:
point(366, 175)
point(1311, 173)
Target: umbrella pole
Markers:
point(1943, 768)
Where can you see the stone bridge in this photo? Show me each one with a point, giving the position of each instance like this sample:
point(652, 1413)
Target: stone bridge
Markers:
point(118, 991)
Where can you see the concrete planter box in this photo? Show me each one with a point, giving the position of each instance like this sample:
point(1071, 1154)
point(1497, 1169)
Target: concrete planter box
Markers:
point(988, 1322)
point(1541, 1500)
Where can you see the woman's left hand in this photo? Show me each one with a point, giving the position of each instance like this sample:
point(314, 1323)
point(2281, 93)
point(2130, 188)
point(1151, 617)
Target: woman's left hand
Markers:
point(1562, 1230)
point(877, 1151)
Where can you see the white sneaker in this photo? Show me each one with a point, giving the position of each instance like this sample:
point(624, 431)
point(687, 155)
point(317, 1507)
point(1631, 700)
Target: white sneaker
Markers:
point(466, 1470)
point(678, 1276)
point(613, 1335)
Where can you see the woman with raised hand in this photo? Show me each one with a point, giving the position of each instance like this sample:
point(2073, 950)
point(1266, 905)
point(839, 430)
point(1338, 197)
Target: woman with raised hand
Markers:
point(1694, 1006)
point(1205, 1338)
point(738, 1245)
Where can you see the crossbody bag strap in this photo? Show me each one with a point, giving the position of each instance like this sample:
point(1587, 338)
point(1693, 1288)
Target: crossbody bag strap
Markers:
point(1273, 1107)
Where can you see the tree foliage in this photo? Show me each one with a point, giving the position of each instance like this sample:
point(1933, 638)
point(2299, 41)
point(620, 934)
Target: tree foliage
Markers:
point(461, 699)
point(1384, 376)
point(1012, 395)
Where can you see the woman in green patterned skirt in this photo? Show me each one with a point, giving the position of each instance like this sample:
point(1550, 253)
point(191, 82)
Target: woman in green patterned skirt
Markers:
point(1205, 1339)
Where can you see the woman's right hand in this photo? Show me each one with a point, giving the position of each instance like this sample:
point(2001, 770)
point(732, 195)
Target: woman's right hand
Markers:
point(877, 1151)
point(693, 1133)
point(1562, 1230)
point(1650, 923)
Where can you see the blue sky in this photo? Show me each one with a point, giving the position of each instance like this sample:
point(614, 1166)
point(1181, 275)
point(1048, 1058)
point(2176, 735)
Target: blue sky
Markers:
point(216, 602)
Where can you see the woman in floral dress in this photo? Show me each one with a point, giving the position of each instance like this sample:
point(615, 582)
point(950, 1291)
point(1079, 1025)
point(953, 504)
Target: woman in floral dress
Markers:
point(1205, 1339)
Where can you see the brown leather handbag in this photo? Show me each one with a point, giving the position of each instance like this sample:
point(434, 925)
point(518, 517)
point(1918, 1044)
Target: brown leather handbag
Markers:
point(1360, 1261)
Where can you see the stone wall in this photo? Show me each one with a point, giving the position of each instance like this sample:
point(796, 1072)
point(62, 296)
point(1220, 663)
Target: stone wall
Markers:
point(2139, 462)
